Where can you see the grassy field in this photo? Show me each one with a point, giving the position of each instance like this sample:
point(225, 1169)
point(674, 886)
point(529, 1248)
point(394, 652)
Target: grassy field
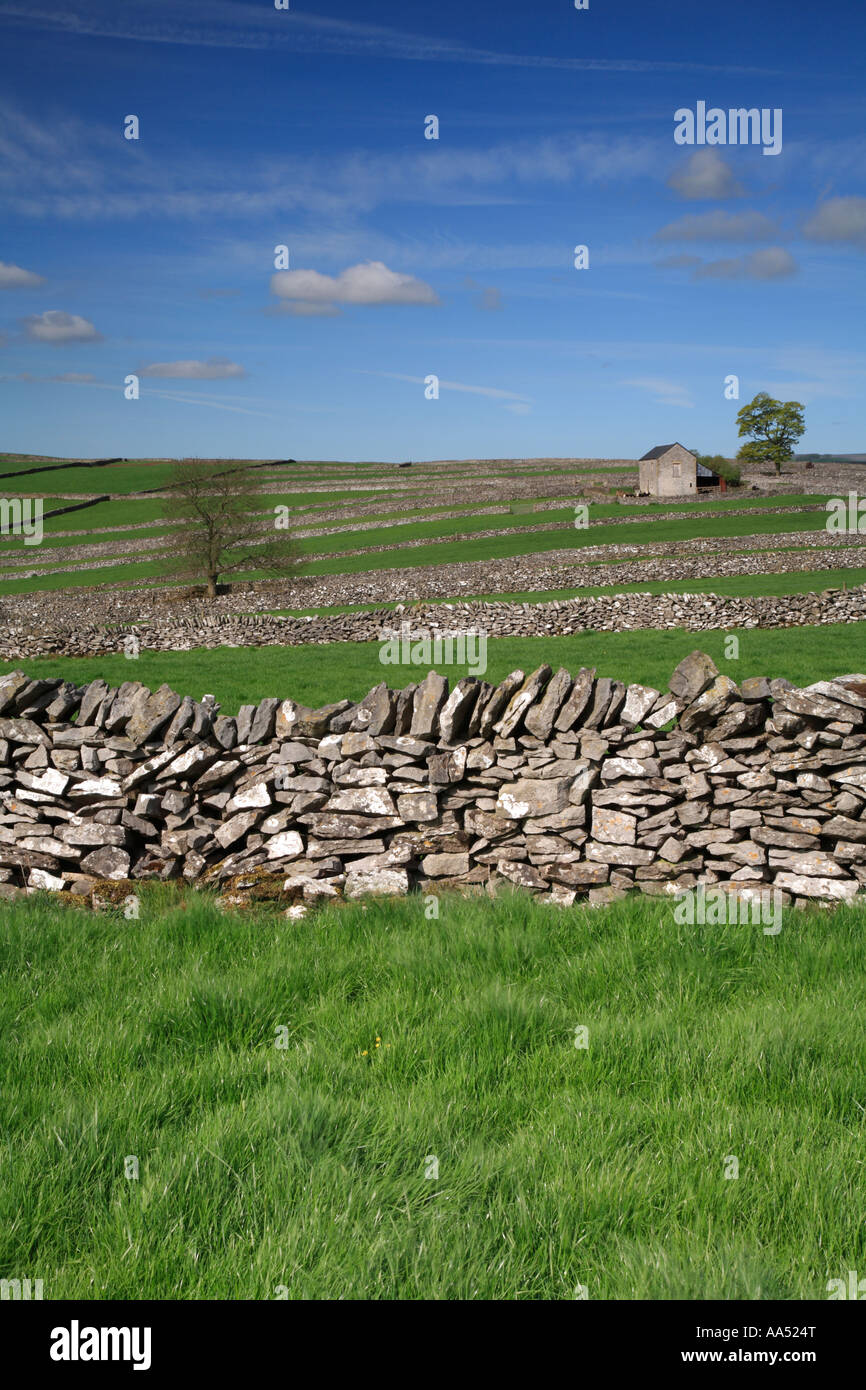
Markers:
point(450, 552)
point(459, 550)
point(121, 571)
point(135, 475)
point(397, 535)
point(410, 1043)
point(457, 527)
point(406, 524)
point(317, 674)
point(430, 1129)
point(63, 541)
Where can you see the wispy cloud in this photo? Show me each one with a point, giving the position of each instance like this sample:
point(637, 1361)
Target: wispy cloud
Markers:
point(63, 378)
point(683, 262)
point(774, 263)
point(814, 363)
point(720, 226)
point(489, 301)
point(224, 24)
point(214, 369)
point(770, 263)
point(279, 411)
point(183, 398)
point(493, 392)
point(804, 391)
point(662, 390)
point(435, 252)
point(487, 298)
point(60, 166)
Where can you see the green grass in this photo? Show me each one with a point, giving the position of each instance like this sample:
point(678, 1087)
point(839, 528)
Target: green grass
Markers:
point(136, 510)
point(538, 542)
point(317, 674)
point(453, 552)
point(304, 1167)
point(137, 474)
point(20, 554)
point(121, 571)
point(124, 511)
point(511, 521)
point(114, 477)
point(17, 463)
point(452, 535)
point(134, 475)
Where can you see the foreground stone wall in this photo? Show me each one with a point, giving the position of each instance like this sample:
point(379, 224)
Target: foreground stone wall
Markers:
point(565, 786)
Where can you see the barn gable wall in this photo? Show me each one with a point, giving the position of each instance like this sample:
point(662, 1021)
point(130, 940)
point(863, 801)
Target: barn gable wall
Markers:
point(672, 475)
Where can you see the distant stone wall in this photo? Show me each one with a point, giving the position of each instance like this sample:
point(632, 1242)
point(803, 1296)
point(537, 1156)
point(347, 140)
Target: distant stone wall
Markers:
point(564, 786)
point(27, 635)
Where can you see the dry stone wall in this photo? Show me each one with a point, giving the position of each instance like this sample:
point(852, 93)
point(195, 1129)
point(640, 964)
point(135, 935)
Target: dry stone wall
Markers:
point(565, 786)
point(67, 634)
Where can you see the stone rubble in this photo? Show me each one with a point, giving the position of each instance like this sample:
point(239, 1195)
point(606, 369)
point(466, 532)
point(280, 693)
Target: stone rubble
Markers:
point(564, 786)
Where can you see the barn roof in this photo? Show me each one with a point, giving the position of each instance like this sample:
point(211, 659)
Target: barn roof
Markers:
point(660, 450)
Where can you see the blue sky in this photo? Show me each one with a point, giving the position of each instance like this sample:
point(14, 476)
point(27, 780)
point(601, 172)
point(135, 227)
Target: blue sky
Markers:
point(411, 257)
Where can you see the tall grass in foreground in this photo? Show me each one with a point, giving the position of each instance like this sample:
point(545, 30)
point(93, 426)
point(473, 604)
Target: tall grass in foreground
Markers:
point(304, 1166)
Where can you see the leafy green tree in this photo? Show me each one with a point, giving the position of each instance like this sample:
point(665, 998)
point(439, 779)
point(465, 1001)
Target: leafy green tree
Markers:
point(775, 427)
point(224, 528)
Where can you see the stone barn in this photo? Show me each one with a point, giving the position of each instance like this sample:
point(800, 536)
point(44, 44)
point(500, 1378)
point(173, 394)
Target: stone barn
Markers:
point(668, 470)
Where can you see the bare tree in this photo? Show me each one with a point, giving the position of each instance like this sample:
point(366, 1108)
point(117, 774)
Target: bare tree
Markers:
point(223, 531)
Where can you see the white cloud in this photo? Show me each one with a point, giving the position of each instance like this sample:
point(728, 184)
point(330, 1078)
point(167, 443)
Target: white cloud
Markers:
point(773, 263)
point(839, 220)
point(56, 326)
point(720, 226)
point(705, 175)
point(13, 277)
point(371, 282)
point(214, 369)
point(75, 378)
